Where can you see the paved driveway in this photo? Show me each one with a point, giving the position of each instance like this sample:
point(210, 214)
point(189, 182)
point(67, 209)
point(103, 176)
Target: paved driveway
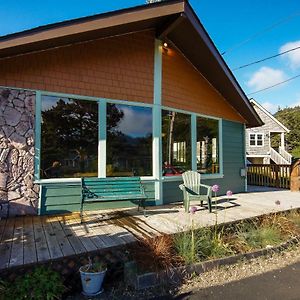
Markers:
point(282, 284)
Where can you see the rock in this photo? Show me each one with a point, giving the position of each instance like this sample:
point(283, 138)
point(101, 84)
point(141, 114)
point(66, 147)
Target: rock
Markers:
point(5, 93)
point(13, 195)
point(12, 116)
point(2, 121)
point(29, 103)
point(30, 141)
point(14, 156)
point(3, 155)
point(28, 180)
point(8, 130)
point(36, 188)
point(15, 171)
point(17, 151)
point(21, 207)
point(29, 133)
point(18, 103)
point(3, 180)
point(22, 128)
point(17, 141)
point(3, 195)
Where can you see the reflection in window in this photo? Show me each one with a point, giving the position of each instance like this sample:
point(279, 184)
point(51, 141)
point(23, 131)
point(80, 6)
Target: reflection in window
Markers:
point(176, 142)
point(69, 138)
point(129, 140)
point(207, 145)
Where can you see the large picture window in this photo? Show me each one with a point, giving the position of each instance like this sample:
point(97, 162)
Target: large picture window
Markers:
point(129, 140)
point(69, 138)
point(207, 145)
point(176, 142)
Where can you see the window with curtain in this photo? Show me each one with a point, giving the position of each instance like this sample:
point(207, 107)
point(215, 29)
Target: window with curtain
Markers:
point(129, 140)
point(69, 138)
point(207, 145)
point(176, 142)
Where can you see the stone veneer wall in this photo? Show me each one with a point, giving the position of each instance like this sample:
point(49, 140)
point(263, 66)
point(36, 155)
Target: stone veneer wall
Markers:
point(17, 109)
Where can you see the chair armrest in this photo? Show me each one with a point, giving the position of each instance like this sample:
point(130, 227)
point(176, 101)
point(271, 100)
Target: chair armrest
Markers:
point(209, 189)
point(182, 187)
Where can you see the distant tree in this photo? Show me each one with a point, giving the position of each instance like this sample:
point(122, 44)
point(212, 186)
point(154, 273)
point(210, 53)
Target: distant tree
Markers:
point(290, 117)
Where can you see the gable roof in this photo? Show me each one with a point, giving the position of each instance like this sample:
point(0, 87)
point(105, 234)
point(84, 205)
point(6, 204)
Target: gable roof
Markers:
point(268, 114)
point(173, 21)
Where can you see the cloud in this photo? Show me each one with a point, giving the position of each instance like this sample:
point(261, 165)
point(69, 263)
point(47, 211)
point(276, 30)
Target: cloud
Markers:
point(265, 77)
point(270, 107)
point(292, 57)
point(137, 121)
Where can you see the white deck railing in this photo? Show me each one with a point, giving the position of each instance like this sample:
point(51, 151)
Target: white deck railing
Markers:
point(277, 158)
point(285, 155)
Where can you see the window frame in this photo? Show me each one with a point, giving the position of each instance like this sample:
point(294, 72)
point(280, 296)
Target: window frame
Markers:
point(256, 134)
point(157, 119)
point(194, 116)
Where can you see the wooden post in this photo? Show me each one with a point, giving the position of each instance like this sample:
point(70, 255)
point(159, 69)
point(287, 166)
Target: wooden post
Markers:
point(295, 176)
point(277, 180)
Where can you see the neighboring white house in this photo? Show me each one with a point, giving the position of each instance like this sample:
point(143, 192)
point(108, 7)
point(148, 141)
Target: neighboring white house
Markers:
point(259, 149)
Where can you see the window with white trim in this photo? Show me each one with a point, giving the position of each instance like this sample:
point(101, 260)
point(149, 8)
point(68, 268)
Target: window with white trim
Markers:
point(256, 139)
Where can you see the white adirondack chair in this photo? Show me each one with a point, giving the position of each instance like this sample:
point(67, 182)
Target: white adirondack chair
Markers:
point(191, 188)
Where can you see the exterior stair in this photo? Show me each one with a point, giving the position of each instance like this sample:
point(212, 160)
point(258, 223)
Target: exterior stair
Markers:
point(280, 158)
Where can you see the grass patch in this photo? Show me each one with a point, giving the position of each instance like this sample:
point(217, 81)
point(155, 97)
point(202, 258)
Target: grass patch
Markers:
point(257, 237)
point(208, 243)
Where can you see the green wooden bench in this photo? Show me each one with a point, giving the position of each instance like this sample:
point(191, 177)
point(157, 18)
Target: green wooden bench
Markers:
point(112, 189)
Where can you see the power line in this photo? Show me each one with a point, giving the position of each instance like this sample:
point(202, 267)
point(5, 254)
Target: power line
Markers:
point(269, 87)
point(284, 20)
point(264, 59)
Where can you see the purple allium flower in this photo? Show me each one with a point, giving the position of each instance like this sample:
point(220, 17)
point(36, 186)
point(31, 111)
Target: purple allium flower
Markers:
point(229, 193)
point(277, 202)
point(215, 188)
point(193, 209)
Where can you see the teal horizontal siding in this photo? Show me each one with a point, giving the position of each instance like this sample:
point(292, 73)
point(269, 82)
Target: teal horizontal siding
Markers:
point(64, 198)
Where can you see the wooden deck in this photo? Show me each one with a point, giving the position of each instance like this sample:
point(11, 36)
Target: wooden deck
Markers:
point(27, 240)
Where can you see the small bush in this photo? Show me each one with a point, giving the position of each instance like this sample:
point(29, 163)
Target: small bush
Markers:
point(41, 284)
point(154, 254)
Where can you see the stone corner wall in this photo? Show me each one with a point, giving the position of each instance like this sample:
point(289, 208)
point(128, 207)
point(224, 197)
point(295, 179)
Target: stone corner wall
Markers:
point(17, 110)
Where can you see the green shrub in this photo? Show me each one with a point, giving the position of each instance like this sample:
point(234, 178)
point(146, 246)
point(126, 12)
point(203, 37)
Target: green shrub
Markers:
point(41, 284)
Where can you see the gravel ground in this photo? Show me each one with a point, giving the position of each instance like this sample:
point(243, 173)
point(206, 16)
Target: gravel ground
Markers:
point(220, 276)
point(241, 270)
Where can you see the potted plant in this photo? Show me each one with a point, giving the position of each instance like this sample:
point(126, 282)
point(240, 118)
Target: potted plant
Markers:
point(92, 276)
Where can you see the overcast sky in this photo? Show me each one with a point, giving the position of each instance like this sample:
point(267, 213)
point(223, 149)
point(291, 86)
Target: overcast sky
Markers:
point(228, 22)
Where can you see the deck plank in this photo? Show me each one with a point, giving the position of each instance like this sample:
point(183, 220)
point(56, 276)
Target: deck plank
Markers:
point(52, 241)
point(6, 243)
point(29, 241)
point(41, 245)
point(64, 243)
point(82, 233)
point(77, 245)
point(114, 231)
point(17, 251)
point(99, 236)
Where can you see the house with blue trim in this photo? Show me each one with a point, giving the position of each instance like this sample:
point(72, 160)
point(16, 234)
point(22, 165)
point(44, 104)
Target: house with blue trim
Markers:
point(135, 92)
